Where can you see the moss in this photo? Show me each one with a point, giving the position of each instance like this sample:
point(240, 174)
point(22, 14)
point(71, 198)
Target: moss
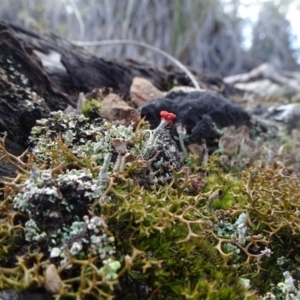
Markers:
point(90, 109)
point(135, 241)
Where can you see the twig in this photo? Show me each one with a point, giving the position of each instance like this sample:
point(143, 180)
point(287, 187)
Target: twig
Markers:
point(147, 46)
point(78, 17)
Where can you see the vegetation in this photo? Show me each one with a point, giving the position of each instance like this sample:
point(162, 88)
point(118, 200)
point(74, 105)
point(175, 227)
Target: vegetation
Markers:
point(109, 227)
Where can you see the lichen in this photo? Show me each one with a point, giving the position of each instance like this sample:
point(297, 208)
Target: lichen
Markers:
point(148, 228)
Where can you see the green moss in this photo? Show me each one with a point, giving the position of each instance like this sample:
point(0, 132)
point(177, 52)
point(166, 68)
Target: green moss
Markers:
point(90, 108)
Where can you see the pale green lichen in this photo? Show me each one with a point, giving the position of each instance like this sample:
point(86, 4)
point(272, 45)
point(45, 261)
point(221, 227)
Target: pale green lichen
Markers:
point(33, 232)
point(81, 235)
point(110, 268)
point(285, 290)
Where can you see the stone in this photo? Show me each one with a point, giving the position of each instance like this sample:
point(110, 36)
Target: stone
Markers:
point(142, 90)
point(53, 282)
point(113, 108)
point(201, 114)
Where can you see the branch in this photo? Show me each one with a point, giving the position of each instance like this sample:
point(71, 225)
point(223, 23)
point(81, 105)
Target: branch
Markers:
point(147, 46)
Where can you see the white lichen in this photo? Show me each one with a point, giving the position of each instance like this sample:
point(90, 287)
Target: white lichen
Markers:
point(32, 232)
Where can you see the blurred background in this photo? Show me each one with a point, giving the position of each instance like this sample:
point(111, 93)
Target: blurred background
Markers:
point(223, 36)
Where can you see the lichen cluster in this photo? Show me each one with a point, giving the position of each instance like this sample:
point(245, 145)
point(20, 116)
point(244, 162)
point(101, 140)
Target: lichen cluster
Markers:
point(90, 209)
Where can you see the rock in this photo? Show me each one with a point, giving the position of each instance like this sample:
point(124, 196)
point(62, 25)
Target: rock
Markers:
point(266, 80)
point(182, 88)
point(285, 112)
point(14, 295)
point(289, 114)
point(113, 108)
point(263, 87)
point(201, 114)
point(53, 282)
point(142, 90)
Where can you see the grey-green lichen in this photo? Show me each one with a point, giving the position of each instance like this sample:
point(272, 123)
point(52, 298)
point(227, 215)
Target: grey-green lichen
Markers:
point(96, 140)
point(113, 222)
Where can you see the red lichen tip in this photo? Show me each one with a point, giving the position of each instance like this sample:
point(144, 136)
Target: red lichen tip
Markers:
point(167, 116)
